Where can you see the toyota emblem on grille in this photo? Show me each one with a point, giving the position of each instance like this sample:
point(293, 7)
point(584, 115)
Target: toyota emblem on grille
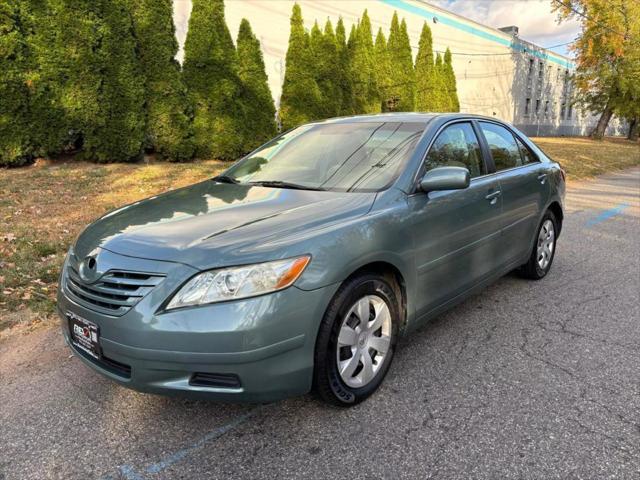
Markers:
point(89, 269)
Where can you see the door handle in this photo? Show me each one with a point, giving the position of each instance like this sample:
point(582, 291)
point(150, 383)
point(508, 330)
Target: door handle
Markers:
point(493, 196)
point(542, 177)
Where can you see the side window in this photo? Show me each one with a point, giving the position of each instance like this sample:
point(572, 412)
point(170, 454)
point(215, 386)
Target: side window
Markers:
point(456, 146)
point(503, 146)
point(525, 153)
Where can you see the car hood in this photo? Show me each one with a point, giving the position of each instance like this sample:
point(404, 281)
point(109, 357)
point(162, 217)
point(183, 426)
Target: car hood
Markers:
point(196, 225)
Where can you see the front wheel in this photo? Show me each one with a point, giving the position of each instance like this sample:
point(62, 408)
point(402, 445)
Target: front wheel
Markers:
point(357, 339)
point(544, 249)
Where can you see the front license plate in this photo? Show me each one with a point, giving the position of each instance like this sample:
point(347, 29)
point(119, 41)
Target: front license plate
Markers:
point(84, 334)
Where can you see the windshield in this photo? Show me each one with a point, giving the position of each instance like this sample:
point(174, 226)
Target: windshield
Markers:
point(354, 157)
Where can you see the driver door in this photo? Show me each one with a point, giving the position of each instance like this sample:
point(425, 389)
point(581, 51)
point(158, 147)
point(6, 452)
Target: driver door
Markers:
point(456, 233)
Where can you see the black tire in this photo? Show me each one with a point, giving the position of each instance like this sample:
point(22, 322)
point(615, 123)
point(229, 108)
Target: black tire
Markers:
point(327, 381)
point(532, 269)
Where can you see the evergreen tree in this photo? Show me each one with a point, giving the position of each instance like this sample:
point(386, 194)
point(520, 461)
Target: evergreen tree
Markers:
point(89, 72)
point(168, 122)
point(118, 133)
point(353, 33)
point(343, 76)
point(402, 93)
point(71, 58)
point(32, 121)
point(210, 72)
point(450, 81)
point(441, 95)
point(15, 146)
point(92, 69)
point(425, 73)
point(300, 93)
point(365, 91)
point(383, 71)
point(324, 48)
point(257, 101)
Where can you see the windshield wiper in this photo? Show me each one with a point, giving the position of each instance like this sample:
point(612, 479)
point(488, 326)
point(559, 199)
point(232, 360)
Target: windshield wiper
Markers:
point(225, 179)
point(280, 184)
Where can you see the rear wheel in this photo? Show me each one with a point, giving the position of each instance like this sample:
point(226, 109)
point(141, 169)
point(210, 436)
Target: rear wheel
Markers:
point(356, 340)
point(544, 249)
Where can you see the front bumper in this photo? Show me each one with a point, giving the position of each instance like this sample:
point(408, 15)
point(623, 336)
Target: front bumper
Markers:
point(266, 342)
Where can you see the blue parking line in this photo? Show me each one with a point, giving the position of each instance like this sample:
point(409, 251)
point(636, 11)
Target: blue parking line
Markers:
point(129, 473)
point(607, 214)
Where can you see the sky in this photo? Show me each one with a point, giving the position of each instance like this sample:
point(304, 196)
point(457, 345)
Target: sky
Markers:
point(534, 18)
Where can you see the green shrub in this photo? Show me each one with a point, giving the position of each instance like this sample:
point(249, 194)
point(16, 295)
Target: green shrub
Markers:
point(324, 48)
point(366, 98)
point(450, 83)
point(343, 78)
point(402, 92)
point(210, 72)
point(426, 81)
point(117, 133)
point(168, 129)
point(15, 142)
point(384, 74)
point(300, 92)
point(259, 110)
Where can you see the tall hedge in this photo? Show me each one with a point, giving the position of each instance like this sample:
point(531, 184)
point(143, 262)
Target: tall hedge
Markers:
point(259, 110)
point(15, 141)
point(365, 94)
point(450, 83)
point(117, 134)
point(324, 47)
point(441, 101)
point(426, 81)
point(344, 79)
point(402, 91)
point(210, 72)
point(384, 73)
point(300, 92)
point(167, 111)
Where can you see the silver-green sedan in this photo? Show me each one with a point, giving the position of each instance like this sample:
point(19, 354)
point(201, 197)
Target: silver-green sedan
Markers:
point(301, 265)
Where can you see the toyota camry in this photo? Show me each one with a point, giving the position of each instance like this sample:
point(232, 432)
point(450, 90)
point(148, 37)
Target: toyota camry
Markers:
point(300, 266)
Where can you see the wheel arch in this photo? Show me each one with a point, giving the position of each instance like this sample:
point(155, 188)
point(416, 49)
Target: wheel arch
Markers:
point(394, 274)
point(556, 209)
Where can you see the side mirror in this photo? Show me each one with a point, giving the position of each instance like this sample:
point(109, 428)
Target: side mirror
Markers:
point(445, 178)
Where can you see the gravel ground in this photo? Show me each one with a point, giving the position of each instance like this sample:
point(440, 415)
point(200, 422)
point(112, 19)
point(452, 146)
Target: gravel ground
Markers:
point(535, 380)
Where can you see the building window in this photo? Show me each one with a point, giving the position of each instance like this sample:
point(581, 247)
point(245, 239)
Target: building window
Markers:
point(546, 108)
point(563, 109)
point(537, 106)
point(569, 112)
point(527, 106)
point(530, 67)
point(540, 70)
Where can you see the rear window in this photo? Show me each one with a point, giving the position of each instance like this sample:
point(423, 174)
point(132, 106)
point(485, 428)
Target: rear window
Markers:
point(503, 146)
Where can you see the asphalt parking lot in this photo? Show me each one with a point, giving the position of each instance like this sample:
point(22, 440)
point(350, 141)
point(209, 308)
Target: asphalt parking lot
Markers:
point(532, 380)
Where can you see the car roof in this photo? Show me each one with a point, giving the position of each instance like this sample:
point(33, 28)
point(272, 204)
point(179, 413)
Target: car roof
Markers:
point(419, 117)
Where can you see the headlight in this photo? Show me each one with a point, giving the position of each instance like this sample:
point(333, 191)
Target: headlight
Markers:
point(239, 282)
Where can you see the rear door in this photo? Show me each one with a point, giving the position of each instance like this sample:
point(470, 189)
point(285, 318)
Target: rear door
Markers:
point(524, 187)
point(455, 232)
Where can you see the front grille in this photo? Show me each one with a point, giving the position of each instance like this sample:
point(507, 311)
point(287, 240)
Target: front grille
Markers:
point(215, 380)
point(114, 293)
point(108, 364)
